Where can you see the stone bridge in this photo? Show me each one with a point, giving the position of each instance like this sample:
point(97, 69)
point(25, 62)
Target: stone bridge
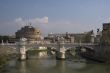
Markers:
point(22, 46)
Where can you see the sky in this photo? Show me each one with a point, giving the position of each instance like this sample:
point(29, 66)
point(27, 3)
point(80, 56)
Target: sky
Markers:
point(53, 16)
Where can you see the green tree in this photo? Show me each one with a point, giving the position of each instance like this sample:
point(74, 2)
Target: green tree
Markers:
point(4, 38)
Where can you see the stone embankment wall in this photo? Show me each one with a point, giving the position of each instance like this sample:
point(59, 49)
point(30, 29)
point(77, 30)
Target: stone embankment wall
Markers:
point(6, 53)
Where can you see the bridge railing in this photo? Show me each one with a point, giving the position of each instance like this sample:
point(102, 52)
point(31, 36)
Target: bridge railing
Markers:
point(51, 44)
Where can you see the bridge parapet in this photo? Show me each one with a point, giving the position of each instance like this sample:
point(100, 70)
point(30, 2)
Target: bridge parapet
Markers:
point(23, 46)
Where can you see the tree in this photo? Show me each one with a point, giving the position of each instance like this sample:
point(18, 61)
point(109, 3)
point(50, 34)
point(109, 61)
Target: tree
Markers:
point(4, 38)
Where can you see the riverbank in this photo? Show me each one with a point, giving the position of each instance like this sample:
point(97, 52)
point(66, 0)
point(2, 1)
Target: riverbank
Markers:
point(4, 58)
point(6, 54)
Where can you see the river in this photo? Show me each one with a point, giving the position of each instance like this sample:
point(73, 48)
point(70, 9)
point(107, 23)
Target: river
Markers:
point(43, 63)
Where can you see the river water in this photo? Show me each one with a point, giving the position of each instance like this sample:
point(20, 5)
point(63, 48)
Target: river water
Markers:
point(43, 63)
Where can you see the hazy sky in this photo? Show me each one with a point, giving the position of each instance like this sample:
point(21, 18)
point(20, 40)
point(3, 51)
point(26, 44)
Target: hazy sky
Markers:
point(53, 15)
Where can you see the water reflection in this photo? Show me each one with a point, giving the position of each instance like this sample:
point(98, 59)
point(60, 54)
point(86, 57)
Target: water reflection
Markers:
point(43, 63)
point(76, 65)
point(23, 67)
point(61, 66)
point(34, 55)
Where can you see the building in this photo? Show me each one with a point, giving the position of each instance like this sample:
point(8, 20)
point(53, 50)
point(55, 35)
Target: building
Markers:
point(59, 38)
point(29, 32)
point(70, 37)
point(106, 33)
